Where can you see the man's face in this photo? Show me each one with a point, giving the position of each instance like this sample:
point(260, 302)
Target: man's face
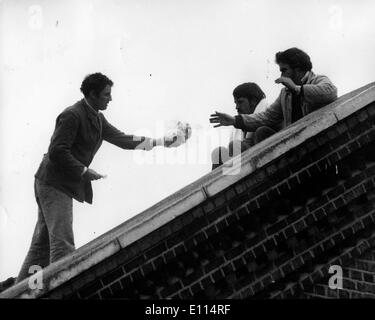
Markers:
point(101, 101)
point(287, 71)
point(244, 106)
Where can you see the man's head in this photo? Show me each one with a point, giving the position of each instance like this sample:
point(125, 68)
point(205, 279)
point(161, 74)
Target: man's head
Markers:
point(247, 96)
point(96, 88)
point(293, 63)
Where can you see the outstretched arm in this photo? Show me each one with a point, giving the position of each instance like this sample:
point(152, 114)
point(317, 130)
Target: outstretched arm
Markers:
point(126, 141)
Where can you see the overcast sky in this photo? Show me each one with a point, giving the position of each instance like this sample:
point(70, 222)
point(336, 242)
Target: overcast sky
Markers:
point(169, 61)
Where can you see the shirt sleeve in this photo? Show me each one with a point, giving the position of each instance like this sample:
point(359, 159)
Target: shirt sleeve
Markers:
point(125, 141)
point(321, 92)
point(63, 138)
point(271, 117)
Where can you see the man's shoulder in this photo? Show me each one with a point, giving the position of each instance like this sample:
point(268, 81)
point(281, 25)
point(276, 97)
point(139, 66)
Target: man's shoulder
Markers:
point(76, 110)
point(317, 78)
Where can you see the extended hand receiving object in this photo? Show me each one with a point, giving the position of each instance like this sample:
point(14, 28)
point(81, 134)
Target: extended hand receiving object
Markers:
point(222, 119)
point(178, 136)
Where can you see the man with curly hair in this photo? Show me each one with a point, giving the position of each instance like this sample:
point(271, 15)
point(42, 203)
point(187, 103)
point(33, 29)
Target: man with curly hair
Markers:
point(64, 173)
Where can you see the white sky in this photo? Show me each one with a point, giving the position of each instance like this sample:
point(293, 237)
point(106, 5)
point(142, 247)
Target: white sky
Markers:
point(169, 60)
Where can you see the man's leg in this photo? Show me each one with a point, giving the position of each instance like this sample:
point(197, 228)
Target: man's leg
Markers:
point(38, 254)
point(237, 146)
point(57, 209)
point(218, 156)
point(263, 133)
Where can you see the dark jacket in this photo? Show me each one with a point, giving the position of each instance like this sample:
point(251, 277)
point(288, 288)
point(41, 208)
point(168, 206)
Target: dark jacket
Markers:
point(79, 133)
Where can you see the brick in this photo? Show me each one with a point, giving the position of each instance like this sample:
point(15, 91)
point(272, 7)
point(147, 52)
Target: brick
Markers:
point(287, 268)
point(272, 194)
point(348, 232)
point(227, 269)
point(217, 262)
point(309, 219)
point(239, 201)
point(289, 232)
point(262, 200)
point(240, 188)
point(283, 188)
point(356, 275)
point(116, 287)
point(357, 226)
point(313, 170)
point(210, 231)
point(221, 225)
point(253, 206)
point(135, 263)
point(353, 146)
point(90, 288)
point(179, 250)
point(297, 263)
point(219, 200)
point(258, 251)
point(199, 237)
point(349, 284)
point(208, 206)
point(257, 286)
point(338, 203)
point(155, 251)
point(217, 276)
point(368, 277)
point(279, 238)
point(168, 256)
point(363, 140)
point(231, 219)
point(147, 268)
point(136, 275)
point(299, 226)
point(126, 282)
point(230, 194)
point(336, 192)
point(113, 276)
point(329, 208)
point(197, 212)
point(343, 153)
point(276, 227)
point(267, 281)
point(303, 177)
point(243, 212)
point(157, 262)
point(238, 263)
point(296, 214)
point(276, 275)
point(106, 293)
point(217, 214)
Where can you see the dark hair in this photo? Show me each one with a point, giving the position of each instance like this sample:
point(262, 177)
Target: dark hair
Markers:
point(96, 82)
point(295, 58)
point(249, 90)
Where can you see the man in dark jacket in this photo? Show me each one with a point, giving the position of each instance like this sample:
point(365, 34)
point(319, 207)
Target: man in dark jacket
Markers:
point(64, 172)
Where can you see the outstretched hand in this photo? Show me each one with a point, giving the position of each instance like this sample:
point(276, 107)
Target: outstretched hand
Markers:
point(93, 175)
point(222, 119)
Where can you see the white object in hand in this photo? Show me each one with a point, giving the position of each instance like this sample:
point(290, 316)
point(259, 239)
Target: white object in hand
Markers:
point(179, 135)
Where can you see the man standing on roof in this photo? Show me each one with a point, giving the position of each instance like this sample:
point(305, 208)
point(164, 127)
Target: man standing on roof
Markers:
point(64, 172)
point(303, 93)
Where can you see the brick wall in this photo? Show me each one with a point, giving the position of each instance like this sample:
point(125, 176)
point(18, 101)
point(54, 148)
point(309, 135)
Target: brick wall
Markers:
point(272, 234)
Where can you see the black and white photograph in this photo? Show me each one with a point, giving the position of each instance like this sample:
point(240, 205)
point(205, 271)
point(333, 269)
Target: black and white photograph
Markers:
point(191, 152)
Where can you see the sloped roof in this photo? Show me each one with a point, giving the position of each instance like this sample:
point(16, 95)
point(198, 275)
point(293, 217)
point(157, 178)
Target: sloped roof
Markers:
point(192, 195)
